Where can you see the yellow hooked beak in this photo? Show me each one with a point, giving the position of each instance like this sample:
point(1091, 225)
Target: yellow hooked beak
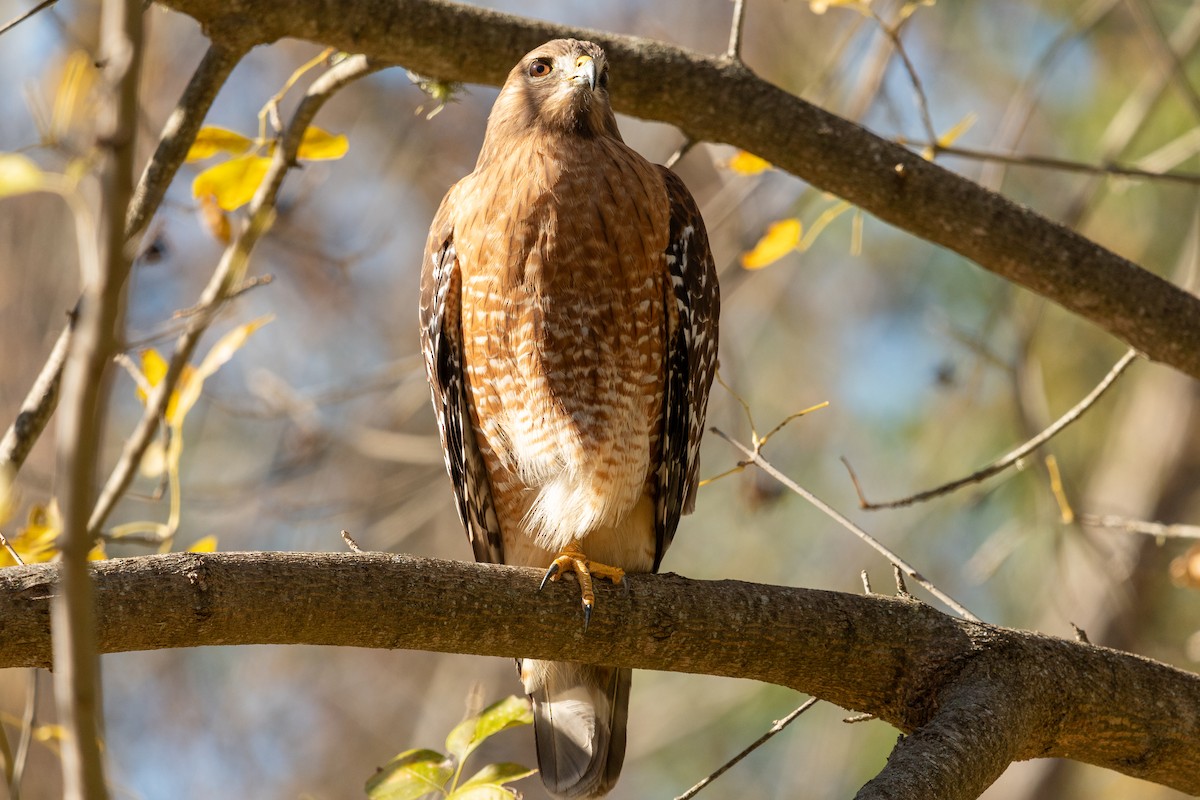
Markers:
point(585, 71)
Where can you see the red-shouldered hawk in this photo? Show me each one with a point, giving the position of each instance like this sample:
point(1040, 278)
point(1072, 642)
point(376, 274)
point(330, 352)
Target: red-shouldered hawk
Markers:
point(569, 310)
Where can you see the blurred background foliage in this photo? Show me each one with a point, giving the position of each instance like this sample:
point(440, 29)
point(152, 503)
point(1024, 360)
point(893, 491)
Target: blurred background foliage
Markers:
point(931, 366)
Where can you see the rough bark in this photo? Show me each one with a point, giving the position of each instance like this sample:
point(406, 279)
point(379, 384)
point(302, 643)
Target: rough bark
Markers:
point(713, 98)
point(974, 696)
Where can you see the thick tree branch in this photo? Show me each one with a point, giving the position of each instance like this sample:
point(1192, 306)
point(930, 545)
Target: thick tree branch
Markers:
point(713, 98)
point(1023, 695)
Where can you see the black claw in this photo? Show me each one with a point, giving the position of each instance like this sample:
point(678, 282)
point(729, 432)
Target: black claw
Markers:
point(550, 573)
point(587, 616)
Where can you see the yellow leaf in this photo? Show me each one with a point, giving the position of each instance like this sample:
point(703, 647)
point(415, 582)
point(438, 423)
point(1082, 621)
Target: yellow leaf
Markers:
point(37, 542)
point(97, 553)
point(745, 163)
point(205, 544)
point(780, 239)
point(154, 369)
point(962, 126)
point(74, 100)
point(212, 140)
point(234, 182)
point(321, 145)
point(19, 175)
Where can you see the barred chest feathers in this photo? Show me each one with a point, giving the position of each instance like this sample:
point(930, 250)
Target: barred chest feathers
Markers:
point(567, 335)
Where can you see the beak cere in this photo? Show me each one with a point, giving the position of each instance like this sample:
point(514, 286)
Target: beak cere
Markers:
point(585, 71)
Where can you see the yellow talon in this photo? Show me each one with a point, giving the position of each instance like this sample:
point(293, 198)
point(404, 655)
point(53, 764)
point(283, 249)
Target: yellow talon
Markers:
point(573, 559)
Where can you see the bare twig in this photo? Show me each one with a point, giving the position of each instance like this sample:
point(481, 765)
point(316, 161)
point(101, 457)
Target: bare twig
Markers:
point(755, 458)
point(76, 664)
point(19, 18)
point(38, 406)
point(734, 50)
point(892, 32)
point(1006, 461)
point(778, 726)
point(679, 153)
point(28, 718)
point(1156, 529)
point(866, 582)
point(1062, 164)
point(349, 540)
point(7, 545)
point(226, 280)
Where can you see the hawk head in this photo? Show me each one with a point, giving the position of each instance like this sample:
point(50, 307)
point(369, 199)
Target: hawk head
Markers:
point(559, 88)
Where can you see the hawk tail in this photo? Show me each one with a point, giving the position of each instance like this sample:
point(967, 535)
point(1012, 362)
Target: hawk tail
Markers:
point(579, 718)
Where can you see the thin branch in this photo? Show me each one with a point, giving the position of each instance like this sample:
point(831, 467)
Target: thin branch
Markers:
point(775, 728)
point(349, 540)
point(892, 32)
point(679, 153)
point(754, 457)
point(734, 50)
point(1061, 164)
point(19, 18)
point(85, 399)
point(38, 406)
point(28, 719)
point(1140, 526)
point(1011, 458)
point(225, 282)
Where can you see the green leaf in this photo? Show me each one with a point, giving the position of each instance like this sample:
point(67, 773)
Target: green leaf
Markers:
point(410, 775)
point(470, 733)
point(499, 774)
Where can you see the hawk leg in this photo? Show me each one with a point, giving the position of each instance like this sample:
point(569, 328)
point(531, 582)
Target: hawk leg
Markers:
point(573, 559)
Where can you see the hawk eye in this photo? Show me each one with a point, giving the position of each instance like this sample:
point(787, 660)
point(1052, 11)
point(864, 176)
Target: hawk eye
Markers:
point(540, 69)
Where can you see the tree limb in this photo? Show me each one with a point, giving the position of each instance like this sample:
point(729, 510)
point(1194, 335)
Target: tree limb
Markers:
point(1023, 695)
point(713, 98)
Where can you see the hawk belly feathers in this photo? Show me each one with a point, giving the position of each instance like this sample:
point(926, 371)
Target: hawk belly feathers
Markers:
point(569, 309)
